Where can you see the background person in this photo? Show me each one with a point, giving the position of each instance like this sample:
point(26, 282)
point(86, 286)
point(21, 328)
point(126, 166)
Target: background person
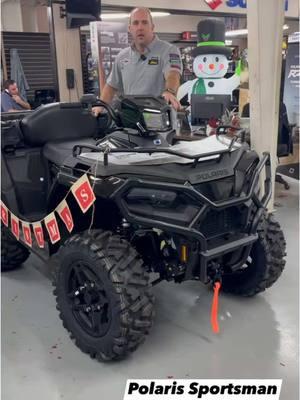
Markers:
point(11, 99)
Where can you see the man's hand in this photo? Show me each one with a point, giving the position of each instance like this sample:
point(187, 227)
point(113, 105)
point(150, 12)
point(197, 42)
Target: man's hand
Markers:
point(17, 99)
point(171, 99)
point(21, 102)
point(97, 111)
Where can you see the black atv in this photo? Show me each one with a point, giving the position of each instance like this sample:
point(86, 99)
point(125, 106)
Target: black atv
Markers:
point(165, 209)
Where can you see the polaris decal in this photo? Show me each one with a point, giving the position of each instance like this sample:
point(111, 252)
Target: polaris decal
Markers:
point(212, 174)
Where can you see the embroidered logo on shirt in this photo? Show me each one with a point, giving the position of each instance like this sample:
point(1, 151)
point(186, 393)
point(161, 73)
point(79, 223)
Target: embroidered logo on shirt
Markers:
point(174, 60)
point(153, 61)
point(174, 57)
point(124, 62)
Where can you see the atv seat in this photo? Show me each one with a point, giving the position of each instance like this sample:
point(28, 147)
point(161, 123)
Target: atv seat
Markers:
point(58, 121)
point(58, 151)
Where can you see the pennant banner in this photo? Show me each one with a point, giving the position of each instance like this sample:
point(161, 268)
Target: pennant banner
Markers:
point(27, 233)
point(38, 234)
point(4, 214)
point(64, 212)
point(85, 197)
point(52, 227)
point(83, 193)
point(15, 225)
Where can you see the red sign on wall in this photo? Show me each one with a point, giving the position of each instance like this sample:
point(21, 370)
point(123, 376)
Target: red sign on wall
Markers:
point(213, 4)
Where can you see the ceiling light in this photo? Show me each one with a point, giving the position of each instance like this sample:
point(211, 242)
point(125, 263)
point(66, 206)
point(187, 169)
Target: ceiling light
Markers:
point(160, 14)
point(114, 16)
point(243, 32)
point(237, 32)
point(126, 15)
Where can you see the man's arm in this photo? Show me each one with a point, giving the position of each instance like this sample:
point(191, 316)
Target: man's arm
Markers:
point(21, 102)
point(108, 93)
point(172, 84)
point(106, 96)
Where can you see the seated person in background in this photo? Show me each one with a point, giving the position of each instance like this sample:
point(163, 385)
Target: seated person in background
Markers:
point(10, 98)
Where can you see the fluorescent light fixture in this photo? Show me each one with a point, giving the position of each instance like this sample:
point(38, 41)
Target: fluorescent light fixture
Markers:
point(114, 16)
point(243, 32)
point(237, 32)
point(159, 14)
point(154, 14)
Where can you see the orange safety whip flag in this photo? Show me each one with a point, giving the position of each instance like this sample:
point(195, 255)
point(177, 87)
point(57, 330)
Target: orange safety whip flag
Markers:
point(4, 214)
point(27, 233)
point(214, 308)
point(64, 212)
point(14, 221)
point(83, 193)
point(39, 234)
point(52, 228)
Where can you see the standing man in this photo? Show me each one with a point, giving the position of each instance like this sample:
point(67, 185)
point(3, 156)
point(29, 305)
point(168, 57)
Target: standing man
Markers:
point(148, 67)
point(10, 98)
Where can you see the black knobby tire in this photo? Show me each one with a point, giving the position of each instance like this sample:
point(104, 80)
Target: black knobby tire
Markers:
point(13, 253)
point(266, 261)
point(120, 288)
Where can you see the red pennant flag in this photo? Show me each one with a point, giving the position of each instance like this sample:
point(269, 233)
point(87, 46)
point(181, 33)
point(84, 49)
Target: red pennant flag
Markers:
point(39, 234)
point(64, 212)
point(213, 4)
point(52, 228)
point(27, 233)
point(83, 193)
point(4, 214)
point(14, 221)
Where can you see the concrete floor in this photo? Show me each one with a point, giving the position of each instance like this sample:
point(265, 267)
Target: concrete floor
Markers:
point(258, 339)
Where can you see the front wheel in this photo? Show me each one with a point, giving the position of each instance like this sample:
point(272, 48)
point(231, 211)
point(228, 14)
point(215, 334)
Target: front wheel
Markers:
point(265, 263)
point(103, 294)
point(13, 253)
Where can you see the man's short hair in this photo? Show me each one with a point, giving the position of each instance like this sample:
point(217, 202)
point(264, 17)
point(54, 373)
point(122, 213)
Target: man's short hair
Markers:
point(141, 8)
point(8, 83)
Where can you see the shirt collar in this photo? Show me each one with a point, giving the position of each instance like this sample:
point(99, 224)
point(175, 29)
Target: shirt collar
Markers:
point(150, 45)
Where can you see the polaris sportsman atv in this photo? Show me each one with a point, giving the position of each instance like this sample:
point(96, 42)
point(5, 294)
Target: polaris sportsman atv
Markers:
point(166, 208)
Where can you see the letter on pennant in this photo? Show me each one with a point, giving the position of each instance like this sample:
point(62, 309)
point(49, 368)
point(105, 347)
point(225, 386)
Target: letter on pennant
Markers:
point(83, 193)
point(39, 234)
point(15, 226)
point(52, 228)
point(4, 214)
point(27, 233)
point(64, 212)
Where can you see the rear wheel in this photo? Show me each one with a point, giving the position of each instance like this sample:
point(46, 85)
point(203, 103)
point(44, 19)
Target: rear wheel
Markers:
point(13, 253)
point(103, 294)
point(265, 263)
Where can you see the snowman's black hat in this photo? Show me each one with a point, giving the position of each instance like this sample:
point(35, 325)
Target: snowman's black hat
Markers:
point(211, 38)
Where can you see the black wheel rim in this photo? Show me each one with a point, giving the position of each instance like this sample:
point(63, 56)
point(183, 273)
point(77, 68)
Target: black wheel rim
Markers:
point(88, 299)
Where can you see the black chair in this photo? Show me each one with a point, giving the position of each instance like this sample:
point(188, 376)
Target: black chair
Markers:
point(284, 144)
point(43, 96)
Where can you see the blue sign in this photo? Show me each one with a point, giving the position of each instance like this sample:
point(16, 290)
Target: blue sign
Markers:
point(243, 3)
point(236, 3)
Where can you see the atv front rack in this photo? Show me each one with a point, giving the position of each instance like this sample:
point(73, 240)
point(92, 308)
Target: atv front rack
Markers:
point(77, 149)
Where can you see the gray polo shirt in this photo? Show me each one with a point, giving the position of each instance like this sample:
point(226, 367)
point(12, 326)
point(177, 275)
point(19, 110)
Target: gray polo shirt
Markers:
point(132, 74)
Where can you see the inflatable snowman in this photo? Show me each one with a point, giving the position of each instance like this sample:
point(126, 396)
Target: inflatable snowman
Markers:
point(211, 60)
